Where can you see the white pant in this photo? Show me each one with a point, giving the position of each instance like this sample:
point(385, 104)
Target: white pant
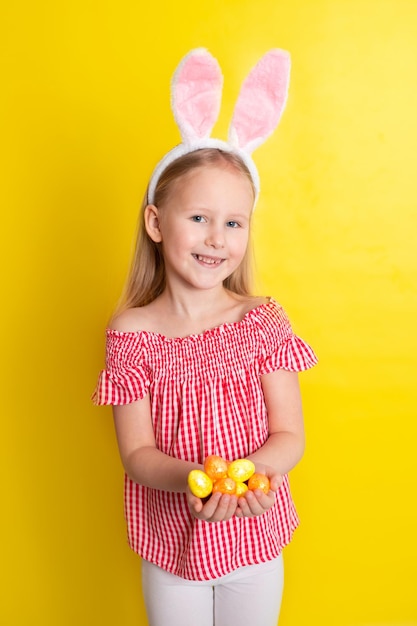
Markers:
point(250, 596)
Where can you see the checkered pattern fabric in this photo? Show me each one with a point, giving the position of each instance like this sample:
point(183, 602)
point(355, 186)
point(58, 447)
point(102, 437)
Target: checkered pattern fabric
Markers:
point(206, 398)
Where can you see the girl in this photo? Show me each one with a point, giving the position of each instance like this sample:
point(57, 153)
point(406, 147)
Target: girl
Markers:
point(197, 366)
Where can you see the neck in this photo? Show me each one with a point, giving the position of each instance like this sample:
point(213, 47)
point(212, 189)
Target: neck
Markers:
point(195, 306)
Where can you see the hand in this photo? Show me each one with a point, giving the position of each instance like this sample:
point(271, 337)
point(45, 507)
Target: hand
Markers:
point(218, 508)
point(254, 503)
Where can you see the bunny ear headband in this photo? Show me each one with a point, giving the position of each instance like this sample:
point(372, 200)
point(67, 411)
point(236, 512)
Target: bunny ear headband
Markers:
point(196, 90)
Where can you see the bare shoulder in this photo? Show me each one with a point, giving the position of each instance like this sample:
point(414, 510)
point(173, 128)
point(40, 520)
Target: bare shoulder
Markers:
point(253, 302)
point(131, 320)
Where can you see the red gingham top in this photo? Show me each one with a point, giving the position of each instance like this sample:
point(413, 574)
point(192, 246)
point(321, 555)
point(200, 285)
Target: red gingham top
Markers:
point(206, 398)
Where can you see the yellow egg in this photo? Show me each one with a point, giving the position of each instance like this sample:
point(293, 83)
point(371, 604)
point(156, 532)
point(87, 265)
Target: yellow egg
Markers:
point(200, 484)
point(241, 470)
point(241, 488)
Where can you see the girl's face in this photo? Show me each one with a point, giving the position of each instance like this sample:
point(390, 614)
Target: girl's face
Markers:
point(203, 226)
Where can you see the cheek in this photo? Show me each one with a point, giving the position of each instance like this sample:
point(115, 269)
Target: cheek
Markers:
point(179, 240)
point(240, 243)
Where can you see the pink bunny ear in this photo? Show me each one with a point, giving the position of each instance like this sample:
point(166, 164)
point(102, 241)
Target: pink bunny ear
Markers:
point(195, 98)
point(261, 101)
point(196, 95)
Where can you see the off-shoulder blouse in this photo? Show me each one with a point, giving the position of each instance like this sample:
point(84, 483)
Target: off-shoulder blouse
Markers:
point(206, 398)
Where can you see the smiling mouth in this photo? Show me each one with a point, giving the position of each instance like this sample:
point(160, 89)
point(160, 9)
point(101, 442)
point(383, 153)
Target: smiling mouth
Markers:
point(208, 260)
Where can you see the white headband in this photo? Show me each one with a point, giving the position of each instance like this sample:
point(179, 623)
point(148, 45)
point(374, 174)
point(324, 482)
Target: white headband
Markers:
point(196, 90)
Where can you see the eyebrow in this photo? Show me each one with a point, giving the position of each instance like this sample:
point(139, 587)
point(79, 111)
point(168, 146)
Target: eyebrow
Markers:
point(203, 209)
point(239, 216)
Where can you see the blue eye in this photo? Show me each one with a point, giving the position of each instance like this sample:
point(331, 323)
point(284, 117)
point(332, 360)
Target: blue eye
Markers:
point(198, 218)
point(233, 224)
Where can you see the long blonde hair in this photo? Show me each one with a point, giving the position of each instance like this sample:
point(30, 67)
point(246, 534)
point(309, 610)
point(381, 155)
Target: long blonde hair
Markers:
point(146, 277)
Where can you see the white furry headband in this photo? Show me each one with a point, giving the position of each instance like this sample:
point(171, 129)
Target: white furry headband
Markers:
point(196, 90)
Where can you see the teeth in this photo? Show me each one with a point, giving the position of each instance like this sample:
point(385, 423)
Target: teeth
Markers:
point(205, 259)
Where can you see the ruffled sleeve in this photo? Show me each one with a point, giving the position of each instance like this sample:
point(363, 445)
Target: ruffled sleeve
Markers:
point(126, 377)
point(281, 348)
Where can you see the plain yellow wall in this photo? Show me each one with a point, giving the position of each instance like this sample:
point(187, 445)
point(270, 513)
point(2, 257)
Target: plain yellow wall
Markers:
point(85, 115)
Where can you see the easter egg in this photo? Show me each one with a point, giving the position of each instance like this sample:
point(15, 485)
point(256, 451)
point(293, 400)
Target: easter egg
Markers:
point(225, 485)
point(259, 481)
point(199, 483)
point(215, 467)
point(241, 488)
point(241, 470)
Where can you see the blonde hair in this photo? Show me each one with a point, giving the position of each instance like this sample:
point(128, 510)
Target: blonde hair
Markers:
point(146, 277)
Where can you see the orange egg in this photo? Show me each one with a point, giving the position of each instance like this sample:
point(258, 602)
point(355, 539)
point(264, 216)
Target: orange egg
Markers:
point(241, 470)
point(259, 481)
point(215, 467)
point(225, 485)
point(241, 488)
point(200, 484)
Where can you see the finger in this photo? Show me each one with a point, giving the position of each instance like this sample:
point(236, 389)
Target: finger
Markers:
point(210, 507)
point(259, 502)
point(253, 501)
point(239, 512)
point(195, 504)
point(276, 482)
point(226, 508)
point(265, 499)
point(243, 509)
point(231, 509)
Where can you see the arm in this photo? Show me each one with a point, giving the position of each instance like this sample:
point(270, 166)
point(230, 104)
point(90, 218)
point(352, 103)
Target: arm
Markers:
point(148, 466)
point(141, 459)
point(285, 445)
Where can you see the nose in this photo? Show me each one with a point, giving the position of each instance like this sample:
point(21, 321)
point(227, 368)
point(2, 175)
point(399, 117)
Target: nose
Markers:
point(215, 237)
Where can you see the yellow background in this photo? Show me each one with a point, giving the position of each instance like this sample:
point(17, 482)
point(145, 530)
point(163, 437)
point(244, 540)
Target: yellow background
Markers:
point(85, 115)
